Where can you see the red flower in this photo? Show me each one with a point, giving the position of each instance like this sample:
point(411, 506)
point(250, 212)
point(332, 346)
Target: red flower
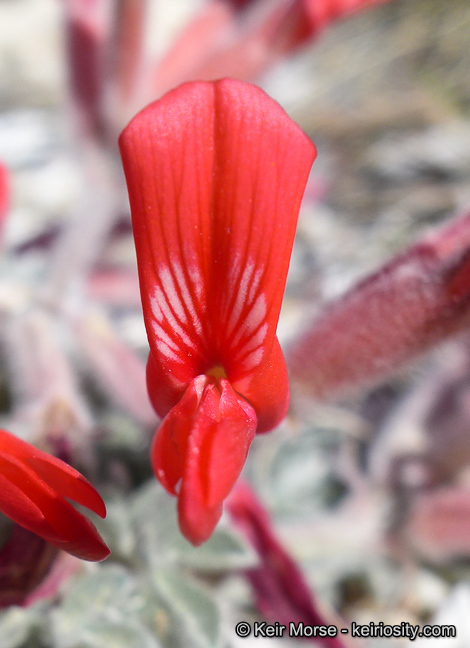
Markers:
point(215, 173)
point(33, 486)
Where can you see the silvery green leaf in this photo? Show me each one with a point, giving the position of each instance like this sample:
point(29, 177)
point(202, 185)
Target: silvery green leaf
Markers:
point(118, 529)
point(16, 625)
point(106, 633)
point(154, 514)
point(105, 594)
point(193, 612)
point(127, 436)
point(224, 550)
point(104, 586)
point(161, 542)
point(300, 474)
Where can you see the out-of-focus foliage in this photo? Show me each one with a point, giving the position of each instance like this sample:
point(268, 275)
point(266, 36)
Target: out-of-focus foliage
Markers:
point(356, 488)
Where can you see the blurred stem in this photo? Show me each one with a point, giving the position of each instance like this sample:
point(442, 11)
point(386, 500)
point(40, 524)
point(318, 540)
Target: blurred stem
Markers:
point(47, 400)
point(125, 61)
point(84, 236)
point(86, 29)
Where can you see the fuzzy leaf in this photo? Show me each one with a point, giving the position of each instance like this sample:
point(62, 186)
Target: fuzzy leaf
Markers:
point(225, 550)
point(161, 543)
point(16, 625)
point(195, 615)
point(104, 596)
point(107, 633)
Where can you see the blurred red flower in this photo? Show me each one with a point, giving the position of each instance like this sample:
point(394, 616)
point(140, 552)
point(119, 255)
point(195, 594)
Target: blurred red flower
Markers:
point(4, 197)
point(281, 592)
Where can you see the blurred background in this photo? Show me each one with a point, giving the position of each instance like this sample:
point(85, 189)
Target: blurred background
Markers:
point(368, 492)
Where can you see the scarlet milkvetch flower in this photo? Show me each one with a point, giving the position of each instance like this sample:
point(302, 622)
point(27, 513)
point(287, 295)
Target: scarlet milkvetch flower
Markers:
point(33, 488)
point(215, 173)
